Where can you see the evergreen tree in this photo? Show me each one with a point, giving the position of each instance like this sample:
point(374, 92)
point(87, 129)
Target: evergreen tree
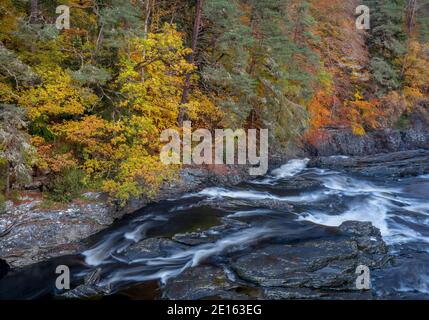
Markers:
point(387, 42)
point(259, 76)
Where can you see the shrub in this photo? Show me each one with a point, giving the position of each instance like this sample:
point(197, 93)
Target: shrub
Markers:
point(2, 204)
point(67, 185)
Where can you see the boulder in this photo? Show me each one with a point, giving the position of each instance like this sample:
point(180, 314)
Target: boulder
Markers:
point(203, 282)
point(311, 268)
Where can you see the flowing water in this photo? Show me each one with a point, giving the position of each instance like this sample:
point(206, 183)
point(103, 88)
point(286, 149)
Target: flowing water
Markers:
point(314, 198)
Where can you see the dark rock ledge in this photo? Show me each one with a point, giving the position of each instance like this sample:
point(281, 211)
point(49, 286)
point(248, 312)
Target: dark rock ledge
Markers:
point(389, 165)
point(304, 270)
point(317, 268)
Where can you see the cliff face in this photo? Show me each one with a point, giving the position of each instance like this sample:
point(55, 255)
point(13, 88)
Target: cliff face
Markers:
point(344, 142)
point(341, 141)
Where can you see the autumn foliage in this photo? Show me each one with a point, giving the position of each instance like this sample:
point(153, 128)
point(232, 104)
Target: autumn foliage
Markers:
point(89, 102)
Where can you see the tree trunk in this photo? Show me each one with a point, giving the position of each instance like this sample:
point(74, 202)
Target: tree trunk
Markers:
point(191, 59)
point(146, 20)
point(34, 11)
point(145, 32)
point(410, 15)
point(7, 178)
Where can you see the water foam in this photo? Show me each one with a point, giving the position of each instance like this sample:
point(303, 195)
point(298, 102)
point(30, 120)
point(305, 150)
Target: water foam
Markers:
point(119, 241)
point(216, 192)
point(352, 186)
point(249, 213)
point(374, 210)
point(291, 168)
point(163, 268)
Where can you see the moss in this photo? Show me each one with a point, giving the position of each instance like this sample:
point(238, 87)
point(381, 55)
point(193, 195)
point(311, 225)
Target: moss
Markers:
point(2, 204)
point(403, 122)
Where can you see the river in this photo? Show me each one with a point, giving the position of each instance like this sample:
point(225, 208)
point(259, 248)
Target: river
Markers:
point(292, 204)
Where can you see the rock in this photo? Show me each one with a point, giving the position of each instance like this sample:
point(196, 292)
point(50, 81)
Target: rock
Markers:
point(304, 293)
point(314, 269)
point(211, 235)
point(397, 164)
point(32, 233)
point(311, 264)
point(299, 183)
point(151, 248)
point(303, 269)
point(203, 282)
point(148, 248)
point(233, 204)
point(344, 142)
point(90, 289)
point(273, 293)
point(197, 178)
point(360, 229)
point(4, 268)
point(93, 278)
point(87, 292)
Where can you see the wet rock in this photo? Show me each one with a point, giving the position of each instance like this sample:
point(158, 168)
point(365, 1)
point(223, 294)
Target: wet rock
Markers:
point(372, 249)
point(87, 292)
point(296, 265)
point(292, 293)
point(148, 248)
point(233, 204)
point(211, 235)
point(4, 268)
point(151, 248)
point(90, 289)
point(315, 264)
point(203, 282)
point(299, 183)
point(397, 164)
point(360, 229)
point(305, 293)
point(314, 269)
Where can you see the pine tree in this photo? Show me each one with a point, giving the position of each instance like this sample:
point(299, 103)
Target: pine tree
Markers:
point(387, 42)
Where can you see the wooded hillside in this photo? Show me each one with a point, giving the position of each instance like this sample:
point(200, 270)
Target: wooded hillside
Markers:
point(83, 107)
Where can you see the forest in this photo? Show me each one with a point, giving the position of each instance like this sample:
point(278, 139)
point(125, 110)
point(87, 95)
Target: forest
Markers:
point(82, 108)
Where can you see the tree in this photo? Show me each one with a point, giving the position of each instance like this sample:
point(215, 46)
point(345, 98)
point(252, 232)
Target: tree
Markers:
point(191, 59)
point(34, 11)
point(422, 21)
point(416, 74)
point(123, 151)
point(265, 78)
point(387, 42)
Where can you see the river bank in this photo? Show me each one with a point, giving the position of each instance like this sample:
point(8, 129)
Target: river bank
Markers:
point(30, 232)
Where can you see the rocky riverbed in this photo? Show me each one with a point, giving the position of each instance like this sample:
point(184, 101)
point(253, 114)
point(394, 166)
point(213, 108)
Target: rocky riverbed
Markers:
point(298, 233)
point(30, 232)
